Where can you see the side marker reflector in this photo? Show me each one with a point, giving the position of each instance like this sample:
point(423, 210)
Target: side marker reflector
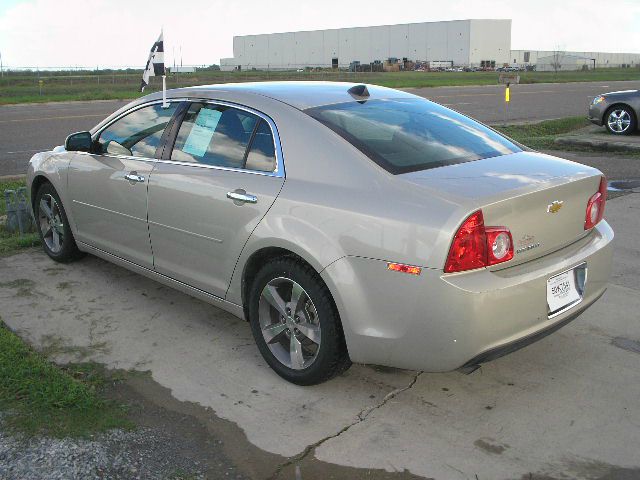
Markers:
point(402, 268)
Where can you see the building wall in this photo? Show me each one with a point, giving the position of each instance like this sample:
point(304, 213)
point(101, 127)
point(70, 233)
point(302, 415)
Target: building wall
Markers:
point(428, 41)
point(490, 40)
point(464, 42)
point(603, 59)
point(565, 63)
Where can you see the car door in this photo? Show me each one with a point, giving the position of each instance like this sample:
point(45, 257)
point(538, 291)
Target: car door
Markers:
point(210, 190)
point(108, 187)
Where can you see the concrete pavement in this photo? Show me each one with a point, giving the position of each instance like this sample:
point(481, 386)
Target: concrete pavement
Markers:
point(565, 407)
point(26, 129)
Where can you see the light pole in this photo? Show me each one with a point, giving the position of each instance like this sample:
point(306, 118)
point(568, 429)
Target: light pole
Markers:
point(1, 69)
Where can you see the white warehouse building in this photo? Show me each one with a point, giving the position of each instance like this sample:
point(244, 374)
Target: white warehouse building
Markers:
point(462, 42)
point(573, 60)
point(458, 42)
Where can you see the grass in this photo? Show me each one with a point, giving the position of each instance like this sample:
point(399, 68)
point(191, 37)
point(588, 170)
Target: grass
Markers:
point(38, 397)
point(540, 136)
point(12, 242)
point(24, 87)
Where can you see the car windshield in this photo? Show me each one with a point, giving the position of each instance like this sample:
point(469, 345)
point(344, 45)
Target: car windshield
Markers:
point(405, 135)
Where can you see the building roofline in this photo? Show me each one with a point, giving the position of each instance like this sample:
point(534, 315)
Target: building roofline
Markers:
point(376, 26)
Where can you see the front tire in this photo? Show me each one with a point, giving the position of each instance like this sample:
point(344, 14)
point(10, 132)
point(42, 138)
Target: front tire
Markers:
point(295, 323)
point(620, 120)
point(53, 226)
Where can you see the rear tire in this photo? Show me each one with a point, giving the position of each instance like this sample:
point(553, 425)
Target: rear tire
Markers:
point(295, 323)
point(620, 120)
point(53, 226)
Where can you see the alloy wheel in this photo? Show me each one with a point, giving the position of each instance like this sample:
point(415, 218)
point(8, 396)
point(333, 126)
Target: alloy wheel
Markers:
point(289, 323)
point(619, 120)
point(50, 221)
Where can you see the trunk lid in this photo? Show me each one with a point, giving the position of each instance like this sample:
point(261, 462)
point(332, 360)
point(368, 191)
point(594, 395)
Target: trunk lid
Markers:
point(541, 199)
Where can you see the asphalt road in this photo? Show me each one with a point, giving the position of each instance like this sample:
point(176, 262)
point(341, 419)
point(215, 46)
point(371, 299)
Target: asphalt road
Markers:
point(29, 128)
point(533, 102)
point(26, 129)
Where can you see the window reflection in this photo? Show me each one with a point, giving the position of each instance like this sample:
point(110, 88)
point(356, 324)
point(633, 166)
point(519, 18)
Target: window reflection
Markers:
point(404, 135)
point(262, 155)
point(137, 134)
point(214, 135)
point(219, 135)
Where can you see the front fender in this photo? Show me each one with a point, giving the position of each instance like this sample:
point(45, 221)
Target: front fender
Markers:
point(52, 166)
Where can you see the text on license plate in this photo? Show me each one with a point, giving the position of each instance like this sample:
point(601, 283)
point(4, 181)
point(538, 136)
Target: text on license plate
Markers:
point(562, 291)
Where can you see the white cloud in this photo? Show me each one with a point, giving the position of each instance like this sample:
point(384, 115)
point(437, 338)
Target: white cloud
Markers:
point(120, 32)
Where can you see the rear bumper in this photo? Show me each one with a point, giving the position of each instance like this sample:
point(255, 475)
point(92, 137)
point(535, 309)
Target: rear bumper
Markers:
point(508, 348)
point(438, 322)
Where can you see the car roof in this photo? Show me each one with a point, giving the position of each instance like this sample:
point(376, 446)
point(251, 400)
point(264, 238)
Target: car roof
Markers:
point(298, 94)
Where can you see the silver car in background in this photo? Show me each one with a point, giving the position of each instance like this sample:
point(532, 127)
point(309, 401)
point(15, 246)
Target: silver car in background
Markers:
point(617, 111)
point(346, 223)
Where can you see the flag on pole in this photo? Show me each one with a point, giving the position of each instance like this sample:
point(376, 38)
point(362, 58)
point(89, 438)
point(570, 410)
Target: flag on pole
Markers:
point(155, 63)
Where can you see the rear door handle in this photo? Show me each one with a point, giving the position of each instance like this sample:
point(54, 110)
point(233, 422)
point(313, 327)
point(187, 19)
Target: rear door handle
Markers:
point(133, 177)
point(242, 196)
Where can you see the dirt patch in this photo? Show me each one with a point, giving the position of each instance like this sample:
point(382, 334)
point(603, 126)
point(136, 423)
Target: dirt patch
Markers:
point(489, 445)
point(626, 344)
point(53, 270)
point(589, 469)
point(66, 285)
point(23, 286)
point(56, 347)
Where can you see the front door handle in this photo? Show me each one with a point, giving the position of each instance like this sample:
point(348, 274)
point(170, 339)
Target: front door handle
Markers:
point(242, 196)
point(133, 177)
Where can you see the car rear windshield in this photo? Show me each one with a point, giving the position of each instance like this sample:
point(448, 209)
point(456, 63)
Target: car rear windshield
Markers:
point(405, 135)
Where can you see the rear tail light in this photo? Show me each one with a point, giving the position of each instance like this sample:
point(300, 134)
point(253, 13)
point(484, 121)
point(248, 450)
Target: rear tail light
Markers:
point(595, 206)
point(477, 246)
point(500, 245)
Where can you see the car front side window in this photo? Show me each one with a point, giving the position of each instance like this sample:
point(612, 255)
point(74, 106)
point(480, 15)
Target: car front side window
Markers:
point(138, 133)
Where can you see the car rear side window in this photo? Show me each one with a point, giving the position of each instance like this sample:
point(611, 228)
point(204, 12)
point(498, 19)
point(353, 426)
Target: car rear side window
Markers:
point(262, 153)
point(214, 135)
point(405, 135)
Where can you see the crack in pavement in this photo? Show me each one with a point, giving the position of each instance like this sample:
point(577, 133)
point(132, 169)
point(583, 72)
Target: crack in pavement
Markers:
point(361, 417)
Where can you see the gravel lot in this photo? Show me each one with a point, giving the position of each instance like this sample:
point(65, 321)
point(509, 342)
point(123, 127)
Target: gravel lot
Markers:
point(141, 454)
point(146, 453)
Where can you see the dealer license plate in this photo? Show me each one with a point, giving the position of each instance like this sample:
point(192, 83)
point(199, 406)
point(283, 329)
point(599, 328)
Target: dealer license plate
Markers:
point(562, 291)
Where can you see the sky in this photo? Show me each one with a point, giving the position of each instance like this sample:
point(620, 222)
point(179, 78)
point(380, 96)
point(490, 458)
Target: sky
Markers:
point(90, 33)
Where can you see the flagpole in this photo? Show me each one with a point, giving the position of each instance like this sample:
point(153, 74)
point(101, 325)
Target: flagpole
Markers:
point(164, 74)
point(164, 92)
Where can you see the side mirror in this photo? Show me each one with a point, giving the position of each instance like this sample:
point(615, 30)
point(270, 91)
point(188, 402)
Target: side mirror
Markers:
point(114, 148)
point(78, 142)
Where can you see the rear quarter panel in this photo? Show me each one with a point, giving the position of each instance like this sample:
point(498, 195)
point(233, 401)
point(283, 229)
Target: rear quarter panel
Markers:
point(336, 202)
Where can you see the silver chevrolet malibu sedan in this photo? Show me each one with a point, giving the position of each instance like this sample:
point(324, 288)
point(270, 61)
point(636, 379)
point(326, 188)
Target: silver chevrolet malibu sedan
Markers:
point(346, 223)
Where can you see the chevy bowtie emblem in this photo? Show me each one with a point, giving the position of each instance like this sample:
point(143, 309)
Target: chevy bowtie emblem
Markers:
point(555, 206)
